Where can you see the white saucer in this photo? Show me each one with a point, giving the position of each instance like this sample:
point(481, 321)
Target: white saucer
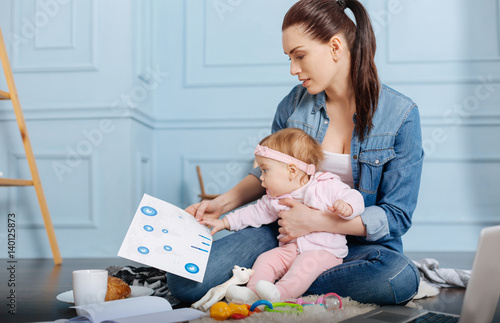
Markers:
point(137, 291)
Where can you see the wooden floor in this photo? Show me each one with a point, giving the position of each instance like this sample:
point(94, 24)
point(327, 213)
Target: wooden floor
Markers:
point(38, 282)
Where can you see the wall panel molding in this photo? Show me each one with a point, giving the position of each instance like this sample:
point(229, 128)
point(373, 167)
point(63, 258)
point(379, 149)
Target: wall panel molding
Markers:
point(18, 167)
point(79, 112)
point(460, 189)
point(475, 121)
point(449, 40)
point(31, 19)
point(416, 46)
point(213, 123)
point(69, 29)
point(143, 178)
point(494, 158)
point(485, 220)
point(109, 112)
point(145, 35)
point(200, 71)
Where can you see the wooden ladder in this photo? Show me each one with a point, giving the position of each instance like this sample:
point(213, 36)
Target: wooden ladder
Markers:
point(35, 181)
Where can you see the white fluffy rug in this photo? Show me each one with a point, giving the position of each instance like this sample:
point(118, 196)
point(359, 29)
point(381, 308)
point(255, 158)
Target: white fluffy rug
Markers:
point(312, 313)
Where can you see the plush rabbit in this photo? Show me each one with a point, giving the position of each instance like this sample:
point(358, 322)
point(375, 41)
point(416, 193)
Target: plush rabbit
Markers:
point(240, 276)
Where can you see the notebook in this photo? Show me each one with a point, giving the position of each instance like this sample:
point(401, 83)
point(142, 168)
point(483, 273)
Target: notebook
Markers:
point(481, 295)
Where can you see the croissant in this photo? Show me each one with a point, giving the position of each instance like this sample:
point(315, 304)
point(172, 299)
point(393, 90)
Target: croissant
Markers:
point(117, 289)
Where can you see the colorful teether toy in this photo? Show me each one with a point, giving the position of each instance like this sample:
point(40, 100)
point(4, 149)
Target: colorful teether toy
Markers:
point(221, 311)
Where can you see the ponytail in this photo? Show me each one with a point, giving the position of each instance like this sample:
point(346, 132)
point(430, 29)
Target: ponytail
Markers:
point(322, 19)
point(364, 75)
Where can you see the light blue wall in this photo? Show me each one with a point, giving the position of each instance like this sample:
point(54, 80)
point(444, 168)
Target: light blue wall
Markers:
point(89, 119)
point(123, 98)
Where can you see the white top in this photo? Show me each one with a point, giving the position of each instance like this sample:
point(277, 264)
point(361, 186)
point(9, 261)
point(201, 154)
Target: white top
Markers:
point(339, 164)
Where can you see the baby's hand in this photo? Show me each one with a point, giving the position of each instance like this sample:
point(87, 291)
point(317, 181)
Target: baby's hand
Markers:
point(342, 208)
point(216, 224)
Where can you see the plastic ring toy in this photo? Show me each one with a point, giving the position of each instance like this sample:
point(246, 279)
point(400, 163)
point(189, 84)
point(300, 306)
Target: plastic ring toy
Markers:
point(261, 302)
point(331, 295)
point(296, 308)
point(299, 301)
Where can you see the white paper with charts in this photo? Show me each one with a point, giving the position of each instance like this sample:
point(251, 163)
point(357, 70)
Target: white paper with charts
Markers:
point(166, 237)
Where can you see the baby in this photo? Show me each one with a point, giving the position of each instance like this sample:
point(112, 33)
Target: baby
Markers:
point(288, 160)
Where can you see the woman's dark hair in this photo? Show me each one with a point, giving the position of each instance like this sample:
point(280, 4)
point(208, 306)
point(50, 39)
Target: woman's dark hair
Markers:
point(321, 19)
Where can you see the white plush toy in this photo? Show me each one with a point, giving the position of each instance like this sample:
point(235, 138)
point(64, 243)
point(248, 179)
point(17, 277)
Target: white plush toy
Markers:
point(240, 276)
point(265, 290)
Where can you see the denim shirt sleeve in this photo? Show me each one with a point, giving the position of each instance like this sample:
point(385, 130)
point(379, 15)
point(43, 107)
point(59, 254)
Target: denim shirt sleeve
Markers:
point(283, 112)
point(397, 192)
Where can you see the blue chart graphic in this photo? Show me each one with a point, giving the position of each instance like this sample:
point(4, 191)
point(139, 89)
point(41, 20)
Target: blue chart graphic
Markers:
point(204, 237)
point(143, 250)
point(199, 248)
point(191, 268)
point(168, 238)
point(149, 211)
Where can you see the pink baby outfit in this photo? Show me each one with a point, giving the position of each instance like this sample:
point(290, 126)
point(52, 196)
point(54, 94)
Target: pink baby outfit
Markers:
point(299, 262)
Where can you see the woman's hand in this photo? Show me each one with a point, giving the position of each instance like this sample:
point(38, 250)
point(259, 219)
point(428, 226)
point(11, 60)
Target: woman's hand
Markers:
point(207, 209)
point(300, 220)
point(295, 222)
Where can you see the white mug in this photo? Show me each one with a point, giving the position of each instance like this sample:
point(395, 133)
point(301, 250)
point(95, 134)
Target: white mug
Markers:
point(89, 286)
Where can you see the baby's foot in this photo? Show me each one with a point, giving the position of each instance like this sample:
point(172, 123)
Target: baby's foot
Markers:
point(240, 294)
point(267, 291)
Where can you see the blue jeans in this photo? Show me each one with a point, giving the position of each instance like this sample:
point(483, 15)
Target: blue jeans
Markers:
point(369, 274)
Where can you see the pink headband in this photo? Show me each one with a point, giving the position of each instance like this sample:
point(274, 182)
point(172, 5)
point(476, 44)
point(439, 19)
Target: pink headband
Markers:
point(267, 152)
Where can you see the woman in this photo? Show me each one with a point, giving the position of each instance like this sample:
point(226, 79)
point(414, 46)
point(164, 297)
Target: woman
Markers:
point(371, 136)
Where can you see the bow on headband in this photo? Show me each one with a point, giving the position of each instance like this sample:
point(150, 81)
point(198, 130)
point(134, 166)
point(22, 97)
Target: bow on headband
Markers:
point(267, 152)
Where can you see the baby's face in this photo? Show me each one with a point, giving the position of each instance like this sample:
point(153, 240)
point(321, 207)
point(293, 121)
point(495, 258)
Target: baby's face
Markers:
point(275, 177)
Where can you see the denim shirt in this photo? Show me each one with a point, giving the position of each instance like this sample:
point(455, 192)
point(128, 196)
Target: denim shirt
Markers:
point(386, 165)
